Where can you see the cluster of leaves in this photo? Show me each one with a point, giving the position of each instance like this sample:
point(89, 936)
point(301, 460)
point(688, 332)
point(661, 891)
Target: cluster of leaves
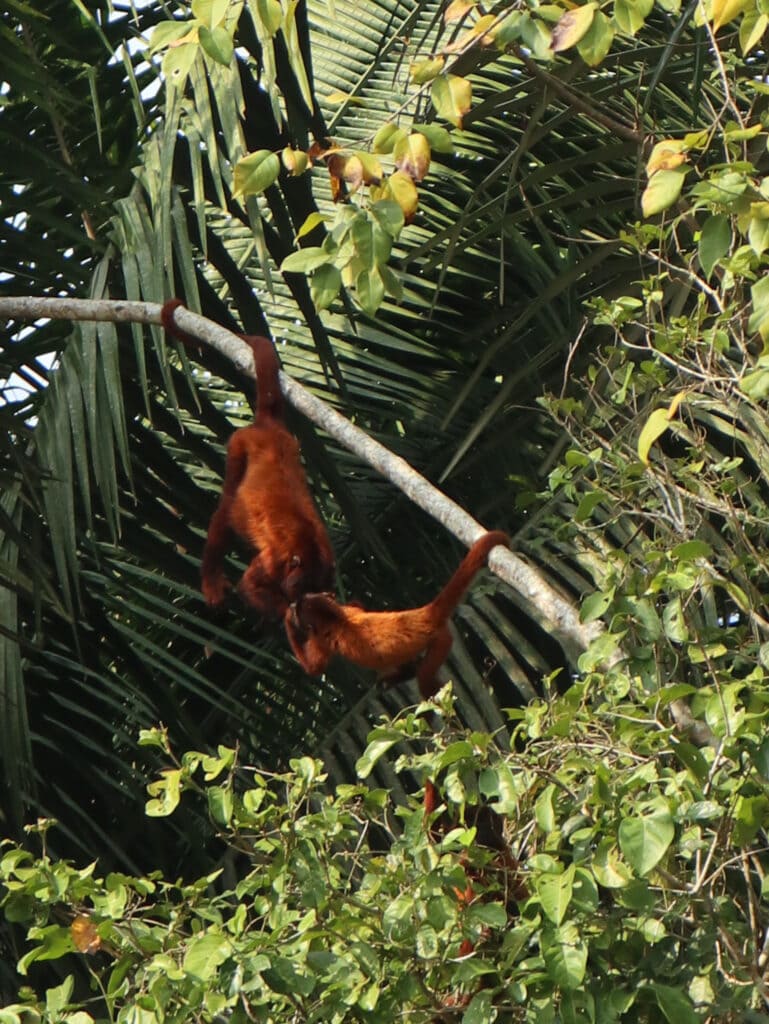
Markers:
point(381, 175)
point(644, 865)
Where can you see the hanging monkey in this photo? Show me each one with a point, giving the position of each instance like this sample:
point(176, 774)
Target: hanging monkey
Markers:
point(265, 501)
point(318, 628)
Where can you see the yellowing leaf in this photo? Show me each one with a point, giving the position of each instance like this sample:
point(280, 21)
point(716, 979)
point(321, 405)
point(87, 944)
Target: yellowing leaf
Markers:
point(403, 190)
point(412, 156)
point(724, 11)
point(426, 70)
point(666, 156)
point(663, 190)
point(310, 223)
point(452, 97)
point(295, 161)
point(337, 97)
point(572, 26)
point(371, 167)
point(656, 425)
point(457, 9)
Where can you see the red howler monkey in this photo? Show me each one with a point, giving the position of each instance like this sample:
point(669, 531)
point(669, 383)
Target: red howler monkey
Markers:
point(319, 628)
point(265, 501)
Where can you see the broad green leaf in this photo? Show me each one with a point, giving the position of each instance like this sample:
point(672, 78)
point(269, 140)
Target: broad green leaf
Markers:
point(752, 29)
point(324, 286)
point(544, 810)
point(439, 137)
point(256, 172)
point(452, 97)
point(387, 137)
point(596, 42)
point(587, 504)
point(758, 234)
point(388, 215)
point(167, 32)
point(363, 240)
point(594, 605)
point(204, 954)
point(555, 892)
point(751, 814)
point(57, 998)
point(755, 385)
point(691, 550)
point(177, 63)
point(379, 742)
point(480, 1010)
point(210, 12)
point(715, 239)
point(572, 26)
point(217, 43)
point(565, 954)
point(759, 318)
point(270, 15)
point(220, 804)
point(631, 15)
point(370, 290)
point(663, 190)
point(675, 1005)
point(304, 260)
point(392, 283)
point(674, 622)
point(607, 867)
point(645, 840)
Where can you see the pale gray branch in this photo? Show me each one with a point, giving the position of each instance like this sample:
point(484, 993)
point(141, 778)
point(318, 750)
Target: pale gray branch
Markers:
point(535, 593)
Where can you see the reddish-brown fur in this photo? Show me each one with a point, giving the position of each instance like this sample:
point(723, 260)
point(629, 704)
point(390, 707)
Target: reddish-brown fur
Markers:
point(319, 628)
point(265, 501)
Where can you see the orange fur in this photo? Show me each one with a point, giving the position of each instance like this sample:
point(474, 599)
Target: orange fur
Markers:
point(265, 501)
point(319, 628)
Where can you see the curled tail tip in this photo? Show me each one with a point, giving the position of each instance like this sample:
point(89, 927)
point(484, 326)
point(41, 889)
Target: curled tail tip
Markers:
point(485, 544)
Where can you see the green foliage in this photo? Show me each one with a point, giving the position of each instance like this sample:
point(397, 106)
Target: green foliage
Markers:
point(642, 860)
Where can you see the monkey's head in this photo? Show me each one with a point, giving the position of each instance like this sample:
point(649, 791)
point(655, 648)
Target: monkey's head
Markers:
point(307, 575)
point(317, 615)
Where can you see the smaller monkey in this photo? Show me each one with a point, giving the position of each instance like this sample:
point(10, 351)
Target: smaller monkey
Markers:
point(318, 628)
point(265, 501)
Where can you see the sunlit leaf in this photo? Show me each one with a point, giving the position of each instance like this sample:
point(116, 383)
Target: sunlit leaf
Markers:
point(644, 840)
point(426, 70)
point(663, 190)
point(324, 285)
point(724, 11)
point(217, 43)
point(572, 26)
point(596, 42)
point(256, 172)
point(412, 155)
point(452, 97)
point(296, 161)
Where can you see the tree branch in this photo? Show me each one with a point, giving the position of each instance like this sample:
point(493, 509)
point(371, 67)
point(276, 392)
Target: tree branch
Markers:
point(536, 595)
